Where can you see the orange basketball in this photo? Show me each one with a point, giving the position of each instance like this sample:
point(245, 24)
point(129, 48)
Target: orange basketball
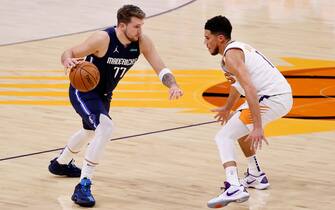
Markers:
point(84, 76)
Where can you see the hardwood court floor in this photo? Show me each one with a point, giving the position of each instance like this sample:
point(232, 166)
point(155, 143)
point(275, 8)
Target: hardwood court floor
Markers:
point(176, 169)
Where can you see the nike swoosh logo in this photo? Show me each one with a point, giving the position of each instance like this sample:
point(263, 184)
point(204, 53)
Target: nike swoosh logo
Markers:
point(251, 181)
point(232, 193)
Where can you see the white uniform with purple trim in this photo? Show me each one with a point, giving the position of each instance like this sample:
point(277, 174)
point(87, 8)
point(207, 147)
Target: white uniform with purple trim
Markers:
point(266, 78)
point(273, 91)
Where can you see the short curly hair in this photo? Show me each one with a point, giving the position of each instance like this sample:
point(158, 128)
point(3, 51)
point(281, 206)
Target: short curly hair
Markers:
point(219, 25)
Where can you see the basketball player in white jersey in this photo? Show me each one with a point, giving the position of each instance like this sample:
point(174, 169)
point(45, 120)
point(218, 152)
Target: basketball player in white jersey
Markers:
point(268, 97)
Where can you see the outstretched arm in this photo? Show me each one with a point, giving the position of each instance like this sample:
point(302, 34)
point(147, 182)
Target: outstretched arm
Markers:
point(165, 75)
point(235, 64)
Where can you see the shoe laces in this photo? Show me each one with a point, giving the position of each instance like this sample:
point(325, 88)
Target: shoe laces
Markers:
point(252, 175)
point(225, 187)
point(71, 165)
point(86, 189)
point(222, 188)
point(86, 186)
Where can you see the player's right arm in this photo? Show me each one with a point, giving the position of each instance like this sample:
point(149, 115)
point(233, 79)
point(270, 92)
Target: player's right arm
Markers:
point(96, 44)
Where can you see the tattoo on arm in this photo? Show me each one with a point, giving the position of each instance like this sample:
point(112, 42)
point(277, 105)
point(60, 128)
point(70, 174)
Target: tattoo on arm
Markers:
point(168, 80)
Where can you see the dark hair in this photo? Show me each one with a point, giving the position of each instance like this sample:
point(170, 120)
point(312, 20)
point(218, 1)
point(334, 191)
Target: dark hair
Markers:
point(219, 25)
point(125, 13)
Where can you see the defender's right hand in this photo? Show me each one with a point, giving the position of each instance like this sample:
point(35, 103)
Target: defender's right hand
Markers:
point(229, 78)
point(223, 114)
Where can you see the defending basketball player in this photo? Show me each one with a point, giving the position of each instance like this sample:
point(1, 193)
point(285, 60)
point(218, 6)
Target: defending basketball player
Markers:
point(268, 97)
point(114, 51)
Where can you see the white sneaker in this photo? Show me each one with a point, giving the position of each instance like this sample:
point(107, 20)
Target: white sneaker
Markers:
point(258, 182)
point(231, 193)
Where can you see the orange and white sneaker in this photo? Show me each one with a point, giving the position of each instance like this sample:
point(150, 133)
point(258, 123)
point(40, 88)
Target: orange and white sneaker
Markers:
point(259, 182)
point(231, 193)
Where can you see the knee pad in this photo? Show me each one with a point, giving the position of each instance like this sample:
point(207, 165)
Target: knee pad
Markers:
point(105, 128)
point(87, 134)
point(223, 134)
point(225, 144)
point(226, 137)
point(103, 133)
point(79, 139)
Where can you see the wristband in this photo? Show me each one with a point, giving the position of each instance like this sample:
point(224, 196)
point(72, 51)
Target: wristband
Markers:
point(163, 72)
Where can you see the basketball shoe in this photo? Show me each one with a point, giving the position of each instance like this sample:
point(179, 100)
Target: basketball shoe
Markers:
point(70, 170)
point(231, 193)
point(82, 193)
point(258, 182)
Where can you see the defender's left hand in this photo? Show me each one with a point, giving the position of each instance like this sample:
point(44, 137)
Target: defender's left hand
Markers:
point(256, 136)
point(175, 92)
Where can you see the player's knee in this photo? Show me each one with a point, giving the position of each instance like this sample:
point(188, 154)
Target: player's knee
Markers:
point(87, 133)
point(217, 138)
point(221, 141)
point(223, 134)
point(225, 145)
point(106, 126)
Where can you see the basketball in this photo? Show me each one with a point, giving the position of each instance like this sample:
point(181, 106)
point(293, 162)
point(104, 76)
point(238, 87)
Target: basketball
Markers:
point(84, 77)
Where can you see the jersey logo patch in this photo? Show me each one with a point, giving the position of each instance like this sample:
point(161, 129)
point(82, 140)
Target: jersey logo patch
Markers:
point(115, 50)
point(133, 50)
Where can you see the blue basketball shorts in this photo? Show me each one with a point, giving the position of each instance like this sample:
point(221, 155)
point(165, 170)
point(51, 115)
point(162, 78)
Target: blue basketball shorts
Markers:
point(89, 106)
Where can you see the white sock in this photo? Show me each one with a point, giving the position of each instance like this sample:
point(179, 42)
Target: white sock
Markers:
point(87, 170)
point(65, 156)
point(231, 175)
point(76, 142)
point(253, 166)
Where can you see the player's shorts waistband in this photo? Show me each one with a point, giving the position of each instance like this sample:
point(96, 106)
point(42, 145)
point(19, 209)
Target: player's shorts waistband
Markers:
point(269, 96)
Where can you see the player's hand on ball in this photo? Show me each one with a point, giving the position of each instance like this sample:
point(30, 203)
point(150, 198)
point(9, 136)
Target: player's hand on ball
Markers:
point(69, 63)
point(175, 92)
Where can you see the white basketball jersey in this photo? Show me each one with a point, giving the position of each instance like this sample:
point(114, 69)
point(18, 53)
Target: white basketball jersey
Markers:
point(266, 78)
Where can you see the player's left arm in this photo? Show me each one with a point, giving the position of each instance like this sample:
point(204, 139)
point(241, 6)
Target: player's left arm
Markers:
point(235, 63)
point(150, 53)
